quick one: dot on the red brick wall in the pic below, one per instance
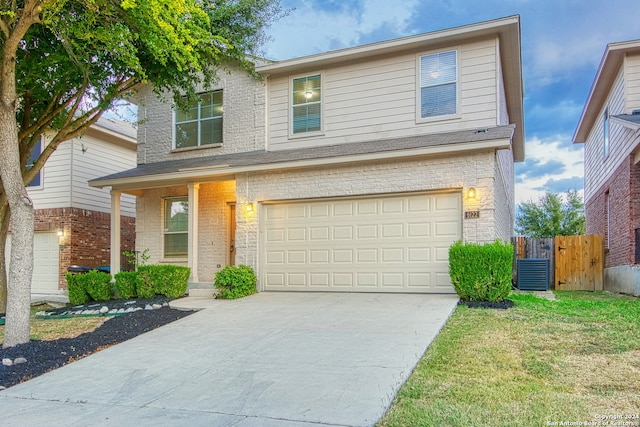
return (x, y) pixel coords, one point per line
(622, 206)
(87, 236)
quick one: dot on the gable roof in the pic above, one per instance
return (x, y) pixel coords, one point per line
(611, 62)
(212, 168)
(506, 29)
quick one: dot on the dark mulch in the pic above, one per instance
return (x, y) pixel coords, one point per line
(44, 356)
(502, 305)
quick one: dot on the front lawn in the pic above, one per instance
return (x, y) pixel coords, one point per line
(539, 363)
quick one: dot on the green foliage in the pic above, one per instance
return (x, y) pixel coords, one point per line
(168, 280)
(235, 282)
(481, 272)
(126, 284)
(77, 293)
(552, 216)
(144, 285)
(137, 259)
(94, 285)
(97, 284)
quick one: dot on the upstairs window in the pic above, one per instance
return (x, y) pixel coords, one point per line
(307, 104)
(439, 84)
(176, 227)
(605, 120)
(35, 153)
(201, 123)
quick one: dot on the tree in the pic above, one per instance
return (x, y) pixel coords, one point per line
(65, 62)
(553, 215)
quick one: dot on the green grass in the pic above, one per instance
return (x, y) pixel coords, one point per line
(537, 363)
(52, 329)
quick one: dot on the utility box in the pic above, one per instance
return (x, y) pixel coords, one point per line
(533, 274)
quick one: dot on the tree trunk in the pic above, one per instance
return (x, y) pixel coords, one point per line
(22, 230)
(4, 229)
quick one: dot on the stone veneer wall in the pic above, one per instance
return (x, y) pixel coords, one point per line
(87, 236)
(458, 172)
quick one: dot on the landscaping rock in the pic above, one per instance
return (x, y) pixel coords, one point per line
(148, 307)
(156, 306)
(7, 362)
(19, 360)
(104, 309)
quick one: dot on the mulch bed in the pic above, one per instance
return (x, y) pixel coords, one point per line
(44, 356)
(503, 305)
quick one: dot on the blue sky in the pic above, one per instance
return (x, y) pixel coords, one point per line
(562, 44)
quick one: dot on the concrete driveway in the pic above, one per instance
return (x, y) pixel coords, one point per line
(271, 359)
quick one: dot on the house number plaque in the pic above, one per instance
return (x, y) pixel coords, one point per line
(471, 214)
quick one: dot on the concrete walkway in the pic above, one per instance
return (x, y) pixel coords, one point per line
(271, 359)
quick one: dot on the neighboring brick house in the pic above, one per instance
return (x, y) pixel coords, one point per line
(73, 220)
(351, 170)
(609, 128)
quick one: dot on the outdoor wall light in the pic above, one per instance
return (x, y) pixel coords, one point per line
(471, 193)
(60, 232)
(248, 207)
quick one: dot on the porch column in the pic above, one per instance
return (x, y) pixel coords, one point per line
(192, 250)
(115, 232)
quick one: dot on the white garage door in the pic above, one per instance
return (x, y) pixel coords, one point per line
(370, 244)
(46, 260)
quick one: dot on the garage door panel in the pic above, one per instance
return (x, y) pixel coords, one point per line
(381, 244)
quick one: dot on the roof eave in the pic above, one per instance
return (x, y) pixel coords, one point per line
(216, 173)
(605, 77)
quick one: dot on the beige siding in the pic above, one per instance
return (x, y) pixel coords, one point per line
(632, 66)
(377, 99)
(599, 168)
(55, 191)
(94, 158)
(243, 121)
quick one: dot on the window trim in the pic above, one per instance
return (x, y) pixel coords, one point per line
(606, 132)
(164, 232)
(308, 134)
(174, 120)
(443, 117)
(40, 175)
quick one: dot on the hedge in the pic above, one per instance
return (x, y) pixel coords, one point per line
(94, 285)
(235, 282)
(481, 272)
(171, 281)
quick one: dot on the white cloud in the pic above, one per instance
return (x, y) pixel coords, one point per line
(310, 29)
(530, 185)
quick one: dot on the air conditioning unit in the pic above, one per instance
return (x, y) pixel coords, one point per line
(533, 274)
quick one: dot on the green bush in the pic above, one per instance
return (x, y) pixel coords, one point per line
(481, 272)
(168, 280)
(144, 285)
(235, 282)
(94, 285)
(126, 284)
(77, 294)
(97, 284)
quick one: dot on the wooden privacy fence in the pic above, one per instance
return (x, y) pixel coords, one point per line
(575, 262)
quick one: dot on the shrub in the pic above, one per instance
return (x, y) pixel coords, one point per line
(168, 280)
(481, 272)
(97, 284)
(94, 285)
(235, 282)
(144, 286)
(126, 284)
(77, 294)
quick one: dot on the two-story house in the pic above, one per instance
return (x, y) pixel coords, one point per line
(351, 170)
(72, 219)
(609, 128)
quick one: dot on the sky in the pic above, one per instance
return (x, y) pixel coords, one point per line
(562, 42)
